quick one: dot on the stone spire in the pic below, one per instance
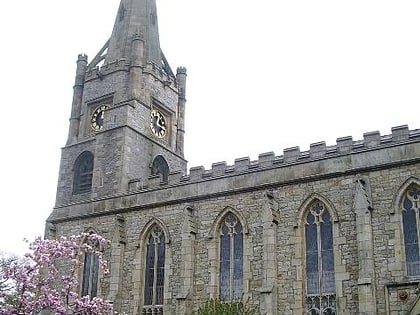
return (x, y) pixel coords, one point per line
(135, 18)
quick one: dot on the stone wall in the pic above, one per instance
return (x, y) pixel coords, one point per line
(270, 201)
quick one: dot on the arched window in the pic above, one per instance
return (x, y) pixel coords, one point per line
(231, 258)
(160, 167)
(320, 278)
(411, 221)
(90, 275)
(154, 271)
(83, 171)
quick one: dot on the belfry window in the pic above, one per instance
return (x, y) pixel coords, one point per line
(83, 171)
(160, 167)
(320, 279)
(155, 271)
(231, 258)
(411, 221)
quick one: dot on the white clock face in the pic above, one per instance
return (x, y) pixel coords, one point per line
(158, 123)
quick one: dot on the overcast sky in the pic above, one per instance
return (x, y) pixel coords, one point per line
(262, 76)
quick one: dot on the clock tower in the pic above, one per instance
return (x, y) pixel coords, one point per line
(127, 116)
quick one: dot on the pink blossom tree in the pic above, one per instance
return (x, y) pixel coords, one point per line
(47, 278)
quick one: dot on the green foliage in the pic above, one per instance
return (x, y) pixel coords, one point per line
(217, 307)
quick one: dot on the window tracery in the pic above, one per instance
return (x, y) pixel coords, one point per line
(411, 221)
(320, 277)
(231, 258)
(154, 271)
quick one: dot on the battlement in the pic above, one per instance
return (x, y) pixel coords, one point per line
(291, 156)
(117, 65)
(124, 65)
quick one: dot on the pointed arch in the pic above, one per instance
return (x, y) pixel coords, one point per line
(317, 229)
(229, 253)
(401, 192)
(221, 216)
(160, 167)
(407, 206)
(91, 229)
(83, 173)
(90, 270)
(152, 262)
(148, 227)
(304, 208)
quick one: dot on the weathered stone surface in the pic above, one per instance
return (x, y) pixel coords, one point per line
(361, 183)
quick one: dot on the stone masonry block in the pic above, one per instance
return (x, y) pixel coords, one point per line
(372, 139)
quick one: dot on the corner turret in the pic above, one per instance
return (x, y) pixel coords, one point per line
(181, 79)
(77, 98)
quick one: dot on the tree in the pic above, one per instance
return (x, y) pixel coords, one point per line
(47, 278)
(217, 307)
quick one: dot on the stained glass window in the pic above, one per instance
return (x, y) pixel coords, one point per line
(231, 258)
(83, 171)
(155, 267)
(320, 279)
(90, 275)
(411, 221)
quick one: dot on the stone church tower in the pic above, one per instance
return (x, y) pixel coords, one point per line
(331, 230)
(127, 111)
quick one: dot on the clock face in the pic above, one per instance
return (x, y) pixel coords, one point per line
(158, 123)
(97, 119)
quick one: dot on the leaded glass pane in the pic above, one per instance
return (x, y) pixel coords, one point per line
(321, 305)
(411, 237)
(86, 274)
(155, 269)
(160, 271)
(311, 255)
(238, 262)
(90, 275)
(224, 263)
(150, 272)
(327, 254)
(95, 275)
(320, 299)
(231, 258)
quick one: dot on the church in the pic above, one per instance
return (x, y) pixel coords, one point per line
(331, 230)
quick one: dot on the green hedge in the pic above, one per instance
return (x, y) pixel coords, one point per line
(217, 307)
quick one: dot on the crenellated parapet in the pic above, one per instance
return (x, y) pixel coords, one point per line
(319, 151)
(99, 72)
(124, 64)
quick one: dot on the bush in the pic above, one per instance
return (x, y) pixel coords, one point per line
(217, 307)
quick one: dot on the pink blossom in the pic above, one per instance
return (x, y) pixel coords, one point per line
(47, 278)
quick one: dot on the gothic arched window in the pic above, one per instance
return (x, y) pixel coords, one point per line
(155, 269)
(83, 171)
(90, 275)
(231, 258)
(160, 167)
(411, 221)
(320, 279)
